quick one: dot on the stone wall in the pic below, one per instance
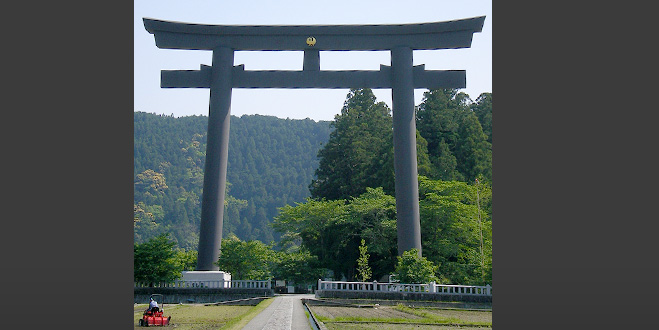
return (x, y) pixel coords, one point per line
(198, 295)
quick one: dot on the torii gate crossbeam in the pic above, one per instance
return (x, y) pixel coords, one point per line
(402, 77)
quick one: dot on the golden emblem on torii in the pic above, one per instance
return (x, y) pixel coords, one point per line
(311, 41)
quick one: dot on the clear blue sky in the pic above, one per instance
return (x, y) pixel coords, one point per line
(317, 104)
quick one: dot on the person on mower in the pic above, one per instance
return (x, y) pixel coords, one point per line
(153, 305)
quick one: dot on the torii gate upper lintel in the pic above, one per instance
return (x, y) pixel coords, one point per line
(401, 77)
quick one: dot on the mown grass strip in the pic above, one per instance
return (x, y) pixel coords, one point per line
(242, 320)
(426, 315)
(432, 318)
(412, 323)
(354, 319)
(426, 319)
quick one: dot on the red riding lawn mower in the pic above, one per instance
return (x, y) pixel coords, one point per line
(153, 317)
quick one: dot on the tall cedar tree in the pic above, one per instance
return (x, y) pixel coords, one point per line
(472, 150)
(358, 146)
(457, 146)
(482, 107)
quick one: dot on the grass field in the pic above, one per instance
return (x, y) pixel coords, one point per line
(401, 317)
(397, 326)
(201, 317)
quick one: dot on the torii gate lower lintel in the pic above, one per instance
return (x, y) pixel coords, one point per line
(401, 77)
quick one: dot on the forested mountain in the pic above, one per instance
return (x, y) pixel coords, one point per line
(271, 163)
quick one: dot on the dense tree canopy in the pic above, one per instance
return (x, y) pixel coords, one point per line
(306, 223)
(450, 229)
(297, 265)
(156, 261)
(333, 230)
(251, 260)
(457, 146)
(412, 268)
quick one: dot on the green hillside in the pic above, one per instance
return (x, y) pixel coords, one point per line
(271, 163)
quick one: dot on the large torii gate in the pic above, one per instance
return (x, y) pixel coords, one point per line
(401, 77)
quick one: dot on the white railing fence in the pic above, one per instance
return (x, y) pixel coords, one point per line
(431, 287)
(234, 284)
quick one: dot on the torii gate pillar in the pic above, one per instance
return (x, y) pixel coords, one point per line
(217, 154)
(405, 167)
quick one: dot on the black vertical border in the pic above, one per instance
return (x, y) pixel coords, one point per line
(67, 129)
(574, 230)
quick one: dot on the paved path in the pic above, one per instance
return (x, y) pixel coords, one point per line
(285, 312)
